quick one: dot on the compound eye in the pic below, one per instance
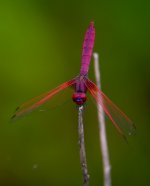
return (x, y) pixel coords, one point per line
(79, 99)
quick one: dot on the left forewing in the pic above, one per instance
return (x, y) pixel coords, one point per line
(40, 100)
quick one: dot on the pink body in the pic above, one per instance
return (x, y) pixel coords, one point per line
(79, 97)
(87, 49)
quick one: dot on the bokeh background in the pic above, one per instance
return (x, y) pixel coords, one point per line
(40, 48)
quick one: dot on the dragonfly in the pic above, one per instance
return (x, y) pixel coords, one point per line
(81, 84)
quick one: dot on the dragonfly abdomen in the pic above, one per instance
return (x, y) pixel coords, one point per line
(87, 49)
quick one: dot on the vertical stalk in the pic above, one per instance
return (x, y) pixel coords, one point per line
(102, 130)
(82, 147)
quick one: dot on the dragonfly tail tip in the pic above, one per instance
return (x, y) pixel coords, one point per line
(92, 23)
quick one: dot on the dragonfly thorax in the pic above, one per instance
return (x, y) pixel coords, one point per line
(79, 98)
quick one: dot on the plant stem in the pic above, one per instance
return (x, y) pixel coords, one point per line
(102, 130)
(82, 147)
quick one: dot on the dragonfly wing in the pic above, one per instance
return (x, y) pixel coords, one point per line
(40, 100)
(122, 123)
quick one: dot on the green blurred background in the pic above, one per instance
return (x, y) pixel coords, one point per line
(40, 48)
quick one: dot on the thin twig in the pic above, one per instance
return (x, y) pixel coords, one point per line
(82, 147)
(102, 130)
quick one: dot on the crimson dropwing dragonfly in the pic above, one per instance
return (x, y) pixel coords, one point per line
(81, 85)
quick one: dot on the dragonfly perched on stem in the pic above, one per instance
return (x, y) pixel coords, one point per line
(81, 84)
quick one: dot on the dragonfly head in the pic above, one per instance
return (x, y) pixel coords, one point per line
(79, 98)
